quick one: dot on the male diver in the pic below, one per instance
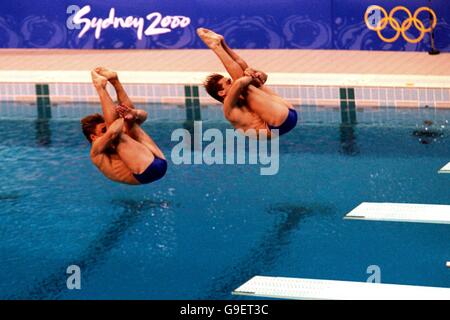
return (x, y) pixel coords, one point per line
(247, 102)
(121, 150)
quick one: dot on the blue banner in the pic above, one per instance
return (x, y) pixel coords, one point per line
(262, 24)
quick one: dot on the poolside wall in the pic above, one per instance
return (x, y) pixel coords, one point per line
(332, 96)
(261, 24)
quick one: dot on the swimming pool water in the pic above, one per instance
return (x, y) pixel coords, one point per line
(204, 230)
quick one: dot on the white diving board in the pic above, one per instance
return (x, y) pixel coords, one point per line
(401, 212)
(311, 289)
(445, 169)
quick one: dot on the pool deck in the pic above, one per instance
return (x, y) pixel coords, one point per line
(285, 67)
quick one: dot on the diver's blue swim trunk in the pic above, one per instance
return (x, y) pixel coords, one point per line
(155, 171)
(288, 124)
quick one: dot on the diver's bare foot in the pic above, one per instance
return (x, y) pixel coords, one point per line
(210, 38)
(98, 80)
(107, 73)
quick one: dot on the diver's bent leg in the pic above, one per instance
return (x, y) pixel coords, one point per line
(241, 62)
(122, 95)
(134, 155)
(113, 78)
(108, 107)
(274, 95)
(272, 110)
(138, 134)
(214, 42)
(233, 68)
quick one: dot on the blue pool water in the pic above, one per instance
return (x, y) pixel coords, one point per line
(204, 230)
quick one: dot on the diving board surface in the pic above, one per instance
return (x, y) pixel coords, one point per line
(298, 288)
(401, 212)
(445, 169)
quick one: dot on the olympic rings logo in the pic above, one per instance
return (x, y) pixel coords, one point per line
(400, 29)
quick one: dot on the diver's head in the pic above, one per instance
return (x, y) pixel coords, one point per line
(217, 86)
(93, 126)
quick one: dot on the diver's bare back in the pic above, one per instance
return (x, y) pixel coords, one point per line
(113, 168)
